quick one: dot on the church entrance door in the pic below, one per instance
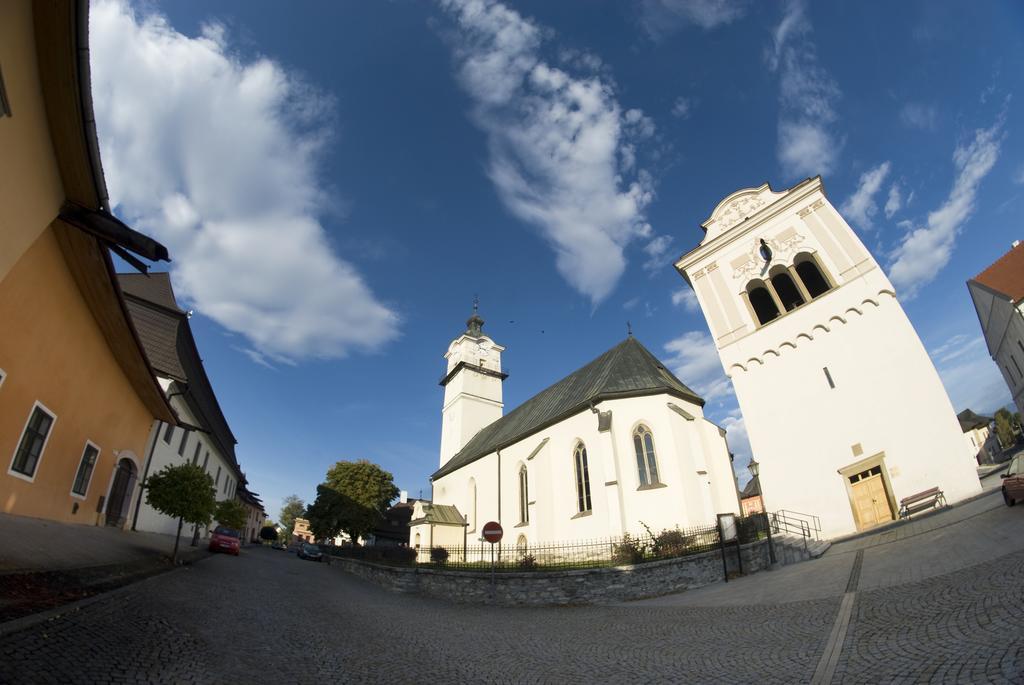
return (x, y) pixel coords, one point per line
(870, 501)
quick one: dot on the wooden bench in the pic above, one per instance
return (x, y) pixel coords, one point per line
(929, 499)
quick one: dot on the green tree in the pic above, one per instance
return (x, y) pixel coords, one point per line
(1005, 428)
(231, 513)
(365, 491)
(293, 508)
(184, 492)
(268, 533)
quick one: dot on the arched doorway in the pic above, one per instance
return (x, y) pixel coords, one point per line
(119, 501)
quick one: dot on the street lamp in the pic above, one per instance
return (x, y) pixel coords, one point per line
(753, 467)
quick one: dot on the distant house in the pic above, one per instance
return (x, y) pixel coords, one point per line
(977, 435)
(998, 296)
(256, 515)
(77, 395)
(301, 531)
(750, 498)
(394, 527)
(203, 435)
(437, 524)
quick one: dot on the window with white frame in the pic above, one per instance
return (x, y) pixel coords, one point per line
(184, 440)
(579, 457)
(646, 461)
(524, 496)
(199, 448)
(169, 433)
(33, 441)
(216, 481)
(85, 469)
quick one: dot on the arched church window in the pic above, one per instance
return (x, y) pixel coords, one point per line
(762, 302)
(787, 291)
(471, 504)
(646, 461)
(579, 457)
(810, 273)
(521, 547)
(417, 540)
(524, 496)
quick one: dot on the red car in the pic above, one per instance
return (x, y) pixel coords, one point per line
(1013, 481)
(225, 540)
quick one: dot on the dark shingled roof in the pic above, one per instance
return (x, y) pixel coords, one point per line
(752, 488)
(167, 340)
(440, 514)
(626, 370)
(969, 420)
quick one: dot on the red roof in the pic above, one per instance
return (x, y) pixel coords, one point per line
(1006, 275)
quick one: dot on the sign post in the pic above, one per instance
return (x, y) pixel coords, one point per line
(726, 533)
(492, 533)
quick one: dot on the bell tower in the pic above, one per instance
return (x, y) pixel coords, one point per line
(843, 407)
(472, 386)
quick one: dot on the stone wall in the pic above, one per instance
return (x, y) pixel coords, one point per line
(585, 586)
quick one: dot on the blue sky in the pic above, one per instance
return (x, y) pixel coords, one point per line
(337, 180)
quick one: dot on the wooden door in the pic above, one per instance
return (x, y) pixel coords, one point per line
(871, 502)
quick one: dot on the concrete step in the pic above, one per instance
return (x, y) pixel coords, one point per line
(792, 549)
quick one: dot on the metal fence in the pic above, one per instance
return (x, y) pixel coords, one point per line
(579, 554)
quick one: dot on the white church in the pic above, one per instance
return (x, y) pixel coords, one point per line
(617, 444)
(845, 411)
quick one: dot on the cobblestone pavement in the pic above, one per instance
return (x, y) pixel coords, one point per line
(267, 617)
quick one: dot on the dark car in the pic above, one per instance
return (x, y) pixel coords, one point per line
(311, 552)
(1013, 481)
(277, 545)
(225, 540)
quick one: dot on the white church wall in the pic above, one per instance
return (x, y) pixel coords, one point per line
(618, 504)
(887, 399)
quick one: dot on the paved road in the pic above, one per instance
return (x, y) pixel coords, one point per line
(215, 623)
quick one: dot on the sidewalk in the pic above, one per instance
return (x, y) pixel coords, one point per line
(32, 545)
(972, 533)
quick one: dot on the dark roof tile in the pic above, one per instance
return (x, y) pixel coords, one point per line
(628, 369)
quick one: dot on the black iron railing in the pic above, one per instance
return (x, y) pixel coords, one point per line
(578, 554)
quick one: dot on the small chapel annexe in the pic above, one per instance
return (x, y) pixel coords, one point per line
(616, 445)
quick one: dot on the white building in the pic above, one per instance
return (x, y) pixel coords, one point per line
(998, 295)
(978, 436)
(203, 436)
(844, 409)
(615, 445)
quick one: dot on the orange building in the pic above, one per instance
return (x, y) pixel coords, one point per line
(77, 396)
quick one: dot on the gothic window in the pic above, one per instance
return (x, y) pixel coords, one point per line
(524, 496)
(787, 291)
(646, 461)
(762, 302)
(811, 275)
(582, 478)
(521, 547)
(472, 504)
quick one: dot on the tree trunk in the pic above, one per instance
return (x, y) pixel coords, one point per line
(174, 556)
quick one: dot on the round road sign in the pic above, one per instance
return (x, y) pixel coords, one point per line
(492, 532)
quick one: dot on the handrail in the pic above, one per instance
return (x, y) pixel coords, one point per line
(813, 524)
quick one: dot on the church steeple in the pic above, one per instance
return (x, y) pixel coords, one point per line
(474, 324)
(472, 385)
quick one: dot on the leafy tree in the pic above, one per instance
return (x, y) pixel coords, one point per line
(1005, 428)
(293, 508)
(184, 492)
(231, 513)
(268, 533)
(365, 491)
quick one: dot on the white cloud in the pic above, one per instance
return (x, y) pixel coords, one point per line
(971, 378)
(861, 206)
(807, 95)
(916, 115)
(657, 250)
(894, 202)
(739, 442)
(687, 299)
(562, 151)
(661, 17)
(925, 250)
(694, 359)
(1018, 175)
(216, 158)
(682, 107)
